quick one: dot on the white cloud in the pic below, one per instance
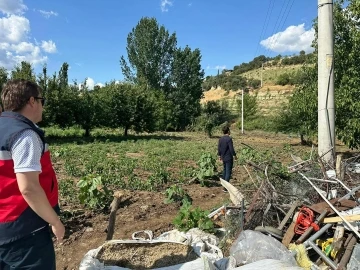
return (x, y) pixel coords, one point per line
(14, 28)
(48, 14)
(48, 46)
(9, 7)
(293, 39)
(15, 39)
(90, 83)
(216, 67)
(164, 5)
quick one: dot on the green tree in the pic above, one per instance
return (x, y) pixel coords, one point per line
(186, 91)
(284, 79)
(43, 79)
(87, 109)
(347, 71)
(128, 106)
(63, 75)
(156, 63)
(214, 114)
(23, 71)
(3, 77)
(150, 48)
(250, 106)
(300, 115)
(61, 103)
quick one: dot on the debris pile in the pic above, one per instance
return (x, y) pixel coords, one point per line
(312, 211)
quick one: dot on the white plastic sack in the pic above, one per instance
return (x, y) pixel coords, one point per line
(268, 264)
(252, 246)
(204, 246)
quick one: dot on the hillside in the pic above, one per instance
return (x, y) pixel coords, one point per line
(270, 96)
(270, 74)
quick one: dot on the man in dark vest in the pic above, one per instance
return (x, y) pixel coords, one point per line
(226, 153)
(28, 184)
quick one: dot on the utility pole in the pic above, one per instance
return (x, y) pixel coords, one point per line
(326, 104)
(242, 111)
(262, 68)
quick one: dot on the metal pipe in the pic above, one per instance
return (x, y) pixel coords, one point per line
(347, 196)
(341, 183)
(325, 258)
(323, 180)
(318, 233)
(332, 207)
(349, 246)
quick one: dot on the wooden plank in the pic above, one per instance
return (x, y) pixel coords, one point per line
(289, 235)
(338, 219)
(289, 214)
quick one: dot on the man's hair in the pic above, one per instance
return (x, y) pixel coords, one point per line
(225, 130)
(16, 93)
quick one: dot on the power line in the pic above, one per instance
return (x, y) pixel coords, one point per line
(278, 19)
(279, 24)
(283, 24)
(263, 31)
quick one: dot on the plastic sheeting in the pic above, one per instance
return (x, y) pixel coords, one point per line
(268, 264)
(252, 246)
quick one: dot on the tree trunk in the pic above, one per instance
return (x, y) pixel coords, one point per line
(87, 132)
(126, 131)
(303, 141)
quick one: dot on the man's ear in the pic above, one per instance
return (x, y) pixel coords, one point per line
(32, 101)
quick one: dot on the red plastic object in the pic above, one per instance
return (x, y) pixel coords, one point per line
(305, 220)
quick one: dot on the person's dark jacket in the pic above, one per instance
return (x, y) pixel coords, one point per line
(226, 149)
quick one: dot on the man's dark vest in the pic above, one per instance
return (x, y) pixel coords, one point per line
(17, 219)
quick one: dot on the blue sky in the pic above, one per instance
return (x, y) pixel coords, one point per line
(91, 35)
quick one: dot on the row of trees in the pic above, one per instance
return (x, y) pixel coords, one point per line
(233, 80)
(230, 82)
(161, 91)
(258, 61)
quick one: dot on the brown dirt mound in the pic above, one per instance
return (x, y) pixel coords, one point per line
(145, 255)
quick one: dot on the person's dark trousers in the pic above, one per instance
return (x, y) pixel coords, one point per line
(228, 165)
(33, 252)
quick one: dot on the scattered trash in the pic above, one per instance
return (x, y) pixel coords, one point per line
(303, 216)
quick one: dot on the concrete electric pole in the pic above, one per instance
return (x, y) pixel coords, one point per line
(262, 69)
(242, 111)
(326, 104)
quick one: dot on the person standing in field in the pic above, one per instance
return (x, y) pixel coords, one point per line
(28, 184)
(226, 153)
